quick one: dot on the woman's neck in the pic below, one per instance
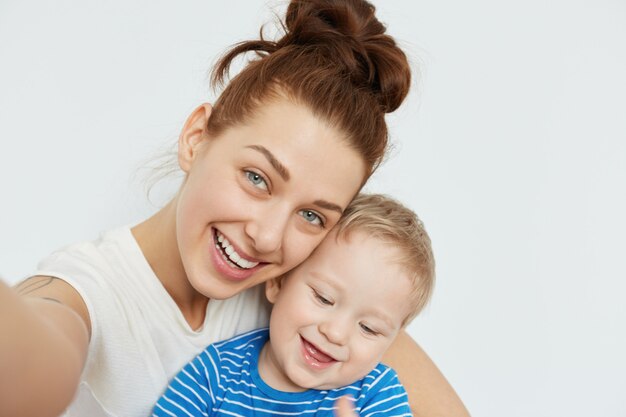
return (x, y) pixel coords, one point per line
(156, 237)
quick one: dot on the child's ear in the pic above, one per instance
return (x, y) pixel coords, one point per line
(272, 288)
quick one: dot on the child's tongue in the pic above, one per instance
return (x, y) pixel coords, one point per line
(316, 354)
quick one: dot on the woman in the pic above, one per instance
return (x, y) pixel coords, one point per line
(269, 169)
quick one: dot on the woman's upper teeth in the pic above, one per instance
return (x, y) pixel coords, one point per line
(232, 254)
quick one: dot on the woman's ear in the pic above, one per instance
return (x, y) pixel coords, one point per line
(272, 288)
(192, 135)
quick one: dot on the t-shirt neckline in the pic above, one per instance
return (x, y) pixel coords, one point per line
(149, 278)
(275, 393)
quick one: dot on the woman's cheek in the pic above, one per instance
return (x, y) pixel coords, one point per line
(300, 250)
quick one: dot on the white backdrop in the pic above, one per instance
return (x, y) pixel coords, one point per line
(511, 147)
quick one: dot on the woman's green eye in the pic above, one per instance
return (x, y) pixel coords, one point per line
(312, 217)
(256, 180)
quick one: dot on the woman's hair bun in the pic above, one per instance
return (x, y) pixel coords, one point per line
(349, 32)
(333, 57)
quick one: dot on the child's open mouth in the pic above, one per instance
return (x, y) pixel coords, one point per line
(314, 357)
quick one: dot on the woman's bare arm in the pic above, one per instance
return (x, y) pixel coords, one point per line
(44, 335)
(430, 394)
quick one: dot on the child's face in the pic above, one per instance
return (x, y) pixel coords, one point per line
(335, 315)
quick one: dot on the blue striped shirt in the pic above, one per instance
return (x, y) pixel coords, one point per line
(224, 381)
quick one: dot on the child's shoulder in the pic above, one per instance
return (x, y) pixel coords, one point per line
(380, 391)
(380, 379)
(252, 340)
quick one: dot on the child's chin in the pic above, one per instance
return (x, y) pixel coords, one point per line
(307, 381)
(326, 385)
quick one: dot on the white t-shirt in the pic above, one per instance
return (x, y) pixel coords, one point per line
(139, 337)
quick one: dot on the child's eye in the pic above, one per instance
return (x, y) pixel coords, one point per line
(257, 180)
(312, 217)
(322, 299)
(368, 329)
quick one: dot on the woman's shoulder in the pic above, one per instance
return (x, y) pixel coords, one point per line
(108, 248)
(99, 267)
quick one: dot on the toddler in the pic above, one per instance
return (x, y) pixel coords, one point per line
(333, 318)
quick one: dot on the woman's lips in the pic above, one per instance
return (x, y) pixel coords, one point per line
(232, 253)
(314, 357)
(226, 267)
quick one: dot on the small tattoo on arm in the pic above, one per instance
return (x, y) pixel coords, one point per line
(34, 284)
(51, 299)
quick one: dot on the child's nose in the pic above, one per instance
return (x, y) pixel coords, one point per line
(335, 329)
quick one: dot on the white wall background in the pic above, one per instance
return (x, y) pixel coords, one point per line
(512, 148)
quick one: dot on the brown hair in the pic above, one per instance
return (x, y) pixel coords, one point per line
(386, 219)
(334, 58)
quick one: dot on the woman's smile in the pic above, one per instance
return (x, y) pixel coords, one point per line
(230, 261)
(231, 254)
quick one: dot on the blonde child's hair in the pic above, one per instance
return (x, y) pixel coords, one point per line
(384, 218)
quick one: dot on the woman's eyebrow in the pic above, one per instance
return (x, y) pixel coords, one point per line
(328, 205)
(278, 166)
(284, 173)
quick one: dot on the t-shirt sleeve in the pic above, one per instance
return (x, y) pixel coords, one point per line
(387, 397)
(194, 390)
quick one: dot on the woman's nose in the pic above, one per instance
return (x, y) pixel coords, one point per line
(267, 229)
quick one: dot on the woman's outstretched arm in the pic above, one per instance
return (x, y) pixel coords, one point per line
(43, 346)
(430, 394)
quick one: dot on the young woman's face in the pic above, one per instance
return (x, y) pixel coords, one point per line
(261, 196)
